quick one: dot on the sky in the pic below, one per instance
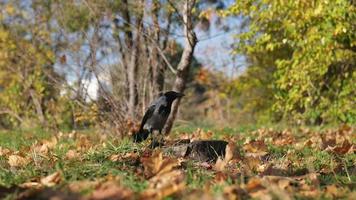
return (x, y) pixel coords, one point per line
(213, 50)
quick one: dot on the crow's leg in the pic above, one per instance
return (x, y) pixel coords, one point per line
(155, 140)
(161, 138)
(151, 134)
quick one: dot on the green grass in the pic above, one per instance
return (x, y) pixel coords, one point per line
(95, 162)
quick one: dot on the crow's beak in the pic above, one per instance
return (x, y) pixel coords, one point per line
(181, 95)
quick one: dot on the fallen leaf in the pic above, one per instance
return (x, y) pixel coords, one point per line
(255, 148)
(312, 193)
(114, 157)
(261, 195)
(229, 153)
(200, 134)
(344, 148)
(233, 192)
(128, 155)
(17, 161)
(110, 190)
(4, 151)
(254, 184)
(51, 180)
(331, 191)
(31, 185)
(164, 179)
(79, 186)
(83, 142)
(284, 183)
(156, 165)
(43, 149)
(50, 143)
(253, 163)
(220, 177)
(163, 190)
(72, 154)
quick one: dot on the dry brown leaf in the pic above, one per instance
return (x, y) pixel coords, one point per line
(110, 190)
(328, 141)
(200, 194)
(282, 140)
(50, 143)
(72, 154)
(4, 151)
(344, 148)
(17, 161)
(308, 185)
(331, 191)
(220, 177)
(254, 184)
(114, 157)
(312, 193)
(164, 179)
(31, 185)
(284, 183)
(118, 157)
(130, 155)
(255, 148)
(277, 186)
(253, 163)
(83, 142)
(229, 154)
(200, 134)
(156, 165)
(261, 195)
(234, 192)
(163, 191)
(43, 149)
(79, 186)
(51, 180)
(72, 134)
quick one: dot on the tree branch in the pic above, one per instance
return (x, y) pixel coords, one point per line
(184, 64)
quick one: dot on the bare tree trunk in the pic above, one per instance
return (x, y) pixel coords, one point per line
(133, 67)
(184, 63)
(158, 68)
(128, 40)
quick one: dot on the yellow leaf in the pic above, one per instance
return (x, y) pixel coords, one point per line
(10, 9)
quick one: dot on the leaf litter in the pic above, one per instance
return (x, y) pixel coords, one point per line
(262, 164)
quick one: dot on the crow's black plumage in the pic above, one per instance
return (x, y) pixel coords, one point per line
(156, 115)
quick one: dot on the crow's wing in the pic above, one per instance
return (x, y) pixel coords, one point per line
(148, 114)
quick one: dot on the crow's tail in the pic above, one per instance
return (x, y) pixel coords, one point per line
(141, 135)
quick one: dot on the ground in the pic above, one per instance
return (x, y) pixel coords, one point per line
(259, 163)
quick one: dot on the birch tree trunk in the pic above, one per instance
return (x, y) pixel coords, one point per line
(184, 63)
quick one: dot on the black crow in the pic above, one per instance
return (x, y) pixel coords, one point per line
(156, 116)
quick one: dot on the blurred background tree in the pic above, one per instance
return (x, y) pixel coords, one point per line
(78, 64)
(305, 54)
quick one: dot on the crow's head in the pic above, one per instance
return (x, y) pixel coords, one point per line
(172, 95)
